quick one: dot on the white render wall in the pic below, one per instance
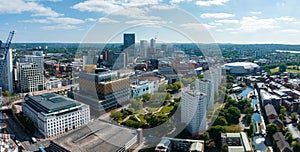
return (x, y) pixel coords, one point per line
(51, 125)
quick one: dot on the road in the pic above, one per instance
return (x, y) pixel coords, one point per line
(15, 128)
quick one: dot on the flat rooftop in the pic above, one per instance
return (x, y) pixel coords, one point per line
(97, 136)
(50, 102)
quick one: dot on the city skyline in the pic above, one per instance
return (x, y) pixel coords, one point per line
(227, 21)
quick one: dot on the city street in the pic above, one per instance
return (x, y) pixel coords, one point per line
(15, 128)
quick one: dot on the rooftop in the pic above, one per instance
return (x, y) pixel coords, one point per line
(95, 136)
(50, 102)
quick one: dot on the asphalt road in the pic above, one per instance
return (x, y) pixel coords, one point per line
(15, 128)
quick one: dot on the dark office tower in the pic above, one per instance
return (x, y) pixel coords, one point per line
(129, 40)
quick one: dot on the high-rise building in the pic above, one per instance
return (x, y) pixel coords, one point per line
(129, 40)
(103, 89)
(151, 52)
(205, 86)
(6, 70)
(30, 78)
(38, 60)
(143, 48)
(193, 111)
(54, 114)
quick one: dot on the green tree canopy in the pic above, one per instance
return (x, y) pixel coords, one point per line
(146, 96)
(272, 129)
(233, 115)
(221, 120)
(294, 117)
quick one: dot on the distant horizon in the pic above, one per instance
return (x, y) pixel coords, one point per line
(50, 42)
(226, 21)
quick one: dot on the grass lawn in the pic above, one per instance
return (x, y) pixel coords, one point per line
(274, 70)
(290, 70)
(151, 109)
(166, 109)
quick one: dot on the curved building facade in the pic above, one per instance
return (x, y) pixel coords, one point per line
(242, 68)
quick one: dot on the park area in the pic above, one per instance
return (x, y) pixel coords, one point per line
(149, 111)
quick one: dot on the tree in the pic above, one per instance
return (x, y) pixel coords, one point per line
(168, 96)
(233, 115)
(204, 136)
(116, 115)
(5, 93)
(215, 133)
(146, 96)
(283, 110)
(200, 76)
(221, 120)
(294, 117)
(137, 104)
(296, 146)
(282, 67)
(225, 148)
(272, 129)
(289, 137)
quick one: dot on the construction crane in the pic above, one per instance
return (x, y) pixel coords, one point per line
(9, 39)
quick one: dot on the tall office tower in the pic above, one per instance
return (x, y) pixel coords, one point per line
(143, 48)
(129, 47)
(205, 86)
(193, 111)
(38, 60)
(103, 89)
(6, 70)
(129, 40)
(30, 78)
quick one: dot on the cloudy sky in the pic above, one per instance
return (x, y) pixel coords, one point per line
(227, 21)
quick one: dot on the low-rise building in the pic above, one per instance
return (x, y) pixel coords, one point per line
(280, 143)
(141, 88)
(53, 83)
(54, 114)
(236, 142)
(182, 145)
(97, 136)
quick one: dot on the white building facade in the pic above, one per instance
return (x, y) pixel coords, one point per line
(55, 114)
(193, 111)
(205, 86)
(30, 78)
(143, 87)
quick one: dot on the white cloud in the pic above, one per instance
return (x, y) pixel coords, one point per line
(285, 18)
(227, 21)
(290, 31)
(43, 21)
(162, 7)
(216, 15)
(211, 2)
(255, 12)
(178, 1)
(146, 22)
(60, 27)
(57, 20)
(97, 6)
(66, 20)
(251, 24)
(107, 20)
(196, 26)
(20, 6)
(90, 20)
(109, 6)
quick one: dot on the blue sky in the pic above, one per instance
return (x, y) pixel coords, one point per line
(226, 21)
